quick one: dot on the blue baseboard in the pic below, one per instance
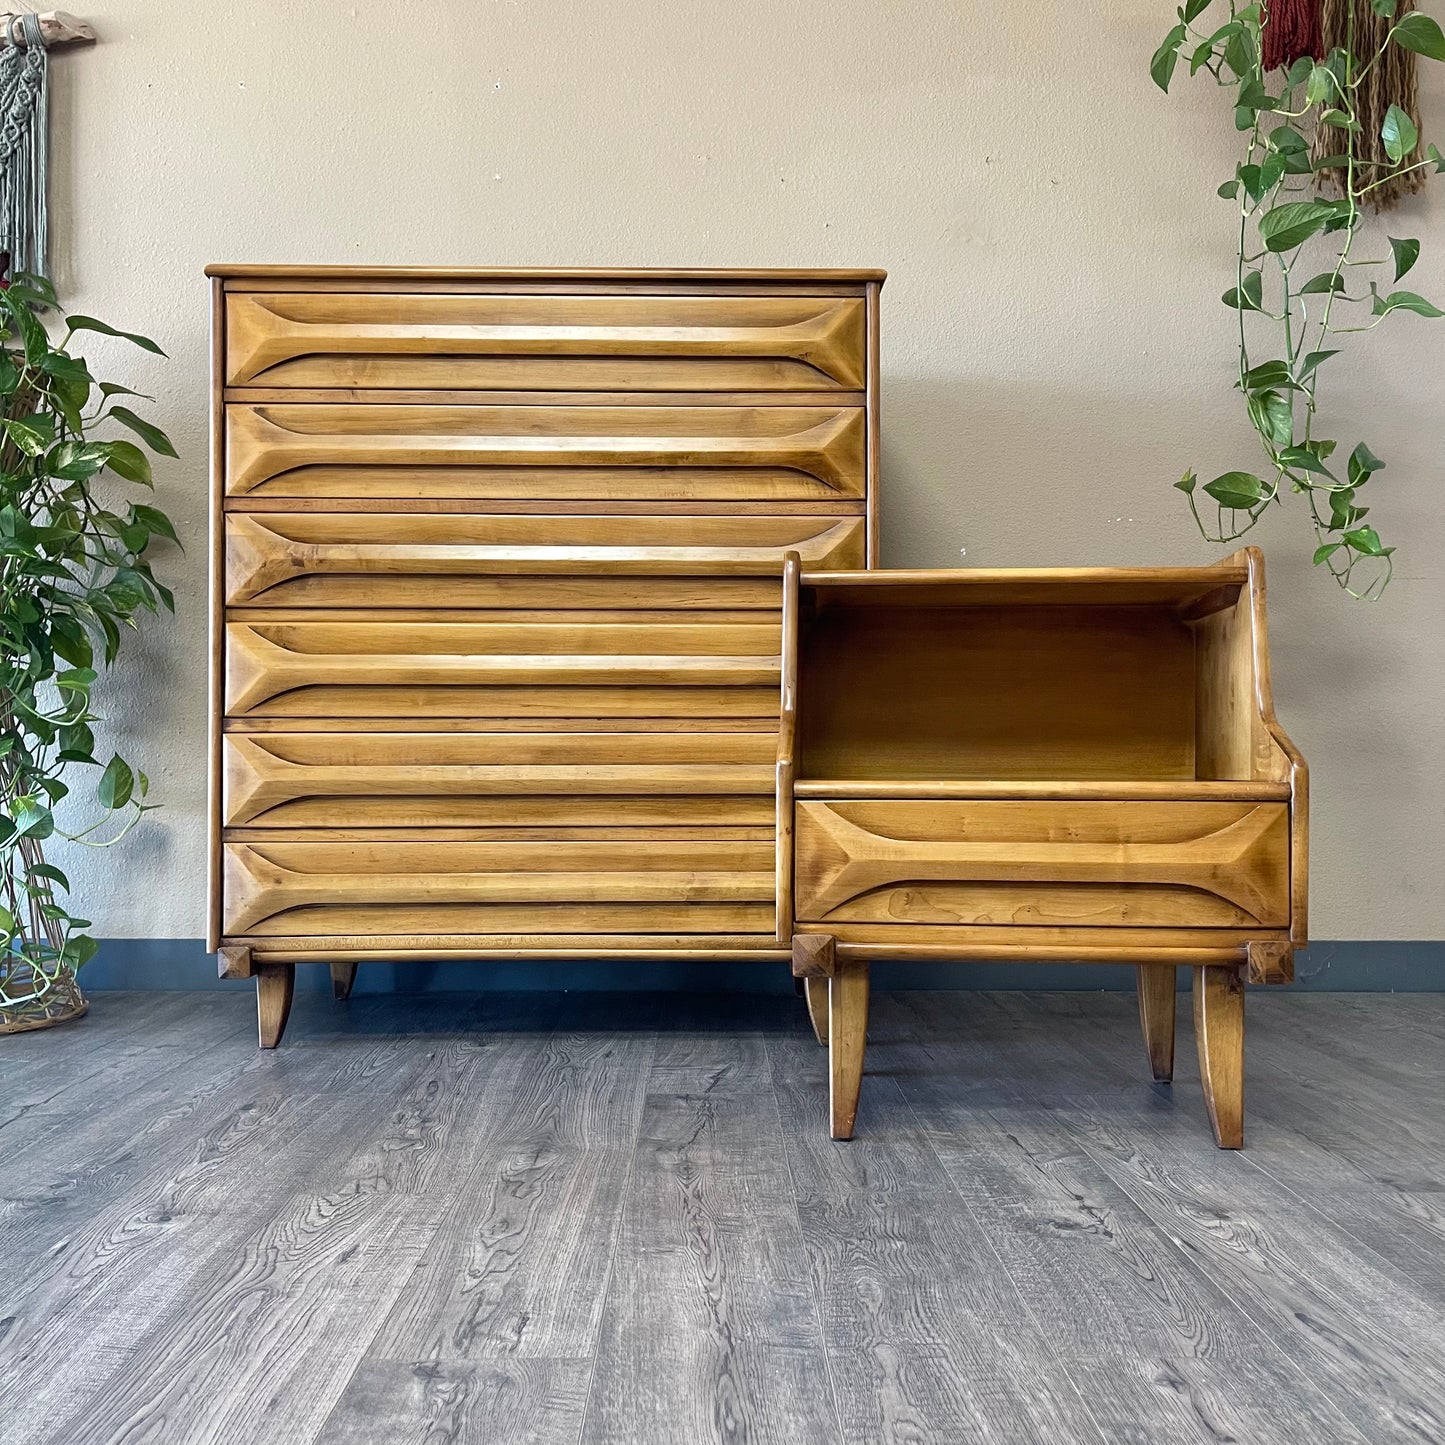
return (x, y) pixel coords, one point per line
(183, 963)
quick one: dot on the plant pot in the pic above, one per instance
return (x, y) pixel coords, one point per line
(40, 998)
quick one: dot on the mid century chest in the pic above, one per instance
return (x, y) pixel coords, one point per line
(496, 604)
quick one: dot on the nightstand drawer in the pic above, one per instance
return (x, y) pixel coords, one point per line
(1063, 863)
(548, 887)
(552, 342)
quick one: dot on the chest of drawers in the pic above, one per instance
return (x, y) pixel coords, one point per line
(496, 604)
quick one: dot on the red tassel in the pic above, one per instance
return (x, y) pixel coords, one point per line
(1291, 29)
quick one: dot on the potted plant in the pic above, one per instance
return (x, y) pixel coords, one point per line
(74, 576)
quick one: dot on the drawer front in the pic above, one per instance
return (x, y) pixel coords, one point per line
(268, 554)
(365, 668)
(713, 453)
(1145, 864)
(356, 780)
(550, 887)
(546, 342)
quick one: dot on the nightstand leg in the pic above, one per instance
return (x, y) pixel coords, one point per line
(1219, 1033)
(847, 1040)
(1155, 984)
(275, 983)
(343, 975)
(815, 990)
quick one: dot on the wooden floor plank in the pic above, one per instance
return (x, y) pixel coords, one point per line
(519, 1401)
(522, 1252)
(710, 1332)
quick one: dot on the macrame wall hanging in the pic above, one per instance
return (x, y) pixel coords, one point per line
(25, 41)
(1293, 28)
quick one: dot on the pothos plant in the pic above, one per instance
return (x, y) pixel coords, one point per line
(74, 575)
(1298, 280)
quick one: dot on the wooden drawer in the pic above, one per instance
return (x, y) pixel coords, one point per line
(349, 780)
(1154, 864)
(546, 342)
(615, 453)
(348, 667)
(549, 887)
(268, 554)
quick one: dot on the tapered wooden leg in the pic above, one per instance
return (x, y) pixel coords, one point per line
(847, 1040)
(1155, 984)
(815, 990)
(343, 975)
(275, 983)
(1219, 1032)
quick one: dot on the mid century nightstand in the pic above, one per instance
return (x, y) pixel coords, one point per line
(1078, 765)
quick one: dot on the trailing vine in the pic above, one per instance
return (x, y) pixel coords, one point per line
(74, 575)
(1280, 222)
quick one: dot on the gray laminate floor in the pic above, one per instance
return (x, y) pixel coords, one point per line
(501, 1219)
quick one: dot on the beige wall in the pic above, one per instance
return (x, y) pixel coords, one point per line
(1054, 350)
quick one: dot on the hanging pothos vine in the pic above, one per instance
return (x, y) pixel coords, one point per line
(1280, 223)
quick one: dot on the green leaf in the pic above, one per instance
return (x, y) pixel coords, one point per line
(1320, 85)
(1187, 482)
(1329, 163)
(1422, 35)
(1402, 301)
(1310, 362)
(65, 368)
(152, 436)
(129, 461)
(1193, 9)
(1273, 416)
(32, 434)
(1253, 95)
(1238, 491)
(1161, 67)
(1366, 541)
(70, 642)
(49, 874)
(1325, 282)
(32, 820)
(1249, 296)
(1399, 134)
(89, 323)
(7, 923)
(1323, 554)
(1292, 148)
(1406, 254)
(1432, 153)
(1291, 225)
(1229, 190)
(1304, 459)
(156, 522)
(116, 783)
(74, 461)
(1340, 120)
(1386, 8)
(1241, 54)
(1363, 464)
(1267, 374)
(31, 332)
